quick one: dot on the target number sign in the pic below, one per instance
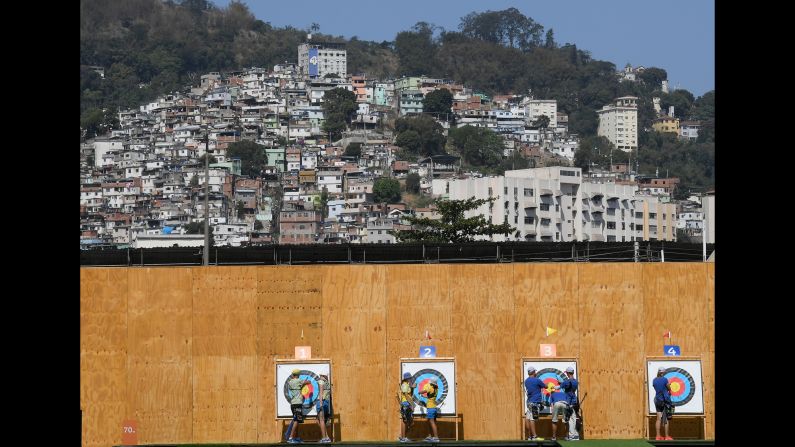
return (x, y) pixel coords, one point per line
(427, 351)
(548, 350)
(685, 380)
(422, 371)
(672, 350)
(310, 372)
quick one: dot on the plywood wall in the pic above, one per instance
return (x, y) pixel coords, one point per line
(188, 352)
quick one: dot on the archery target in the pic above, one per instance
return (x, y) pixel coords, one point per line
(310, 372)
(551, 373)
(684, 378)
(421, 373)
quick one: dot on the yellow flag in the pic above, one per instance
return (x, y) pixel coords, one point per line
(550, 331)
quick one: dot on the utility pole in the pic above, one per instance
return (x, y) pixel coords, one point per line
(206, 252)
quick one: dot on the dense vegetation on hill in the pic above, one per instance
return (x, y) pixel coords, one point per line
(150, 47)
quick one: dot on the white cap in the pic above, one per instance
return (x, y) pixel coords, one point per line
(661, 369)
(531, 370)
(570, 369)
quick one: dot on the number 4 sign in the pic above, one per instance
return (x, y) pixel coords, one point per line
(672, 350)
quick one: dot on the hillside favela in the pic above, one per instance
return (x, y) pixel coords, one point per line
(376, 224)
(319, 139)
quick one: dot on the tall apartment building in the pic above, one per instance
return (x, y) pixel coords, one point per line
(554, 205)
(618, 123)
(537, 107)
(319, 59)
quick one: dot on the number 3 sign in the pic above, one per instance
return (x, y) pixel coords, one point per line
(548, 350)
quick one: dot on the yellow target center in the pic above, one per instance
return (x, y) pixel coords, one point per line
(675, 387)
(305, 390)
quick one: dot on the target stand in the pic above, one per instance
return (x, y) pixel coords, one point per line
(310, 370)
(443, 369)
(549, 370)
(687, 394)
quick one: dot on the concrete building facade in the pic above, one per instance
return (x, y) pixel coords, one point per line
(554, 205)
(618, 123)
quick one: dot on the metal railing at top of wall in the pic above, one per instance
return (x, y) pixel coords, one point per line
(410, 253)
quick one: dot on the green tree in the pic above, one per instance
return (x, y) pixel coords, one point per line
(416, 50)
(241, 209)
(386, 190)
(653, 77)
(597, 151)
(353, 150)
(541, 122)
(212, 159)
(194, 181)
(98, 122)
(427, 137)
(197, 227)
(339, 105)
(324, 202)
(681, 99)
(253, 157)
(452, 226)
(478, 146)
(257, 225)
(413, 183)
(438, 102)
(550, 40)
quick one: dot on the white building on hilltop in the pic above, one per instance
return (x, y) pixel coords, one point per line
(318, 60)
(618, 123)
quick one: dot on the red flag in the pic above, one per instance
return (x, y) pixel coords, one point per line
(427, 334)
(667, 334)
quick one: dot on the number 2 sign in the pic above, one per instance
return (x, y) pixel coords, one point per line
(427, 351)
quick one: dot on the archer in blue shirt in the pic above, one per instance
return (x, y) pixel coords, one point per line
(533, 386)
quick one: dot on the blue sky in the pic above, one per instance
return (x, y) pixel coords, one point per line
(677, 35)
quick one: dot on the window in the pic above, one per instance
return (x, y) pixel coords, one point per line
(529, 219)
(623, 226)
(506, 190)
(611, 225)
(638, 215)
(652, 215)
(545, 222)
(544, 207)
(491, 192)
(528, 192)
(557, 207)
(516, 219)
(639, 227)
(515, 191)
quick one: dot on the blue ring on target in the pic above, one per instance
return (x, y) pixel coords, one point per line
(312, 378)
(548, 375)
(686, 380)
(424, 375)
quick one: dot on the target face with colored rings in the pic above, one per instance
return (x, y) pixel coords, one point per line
(309, 391)
(421, 378)
(683, 387)
(551, 378)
